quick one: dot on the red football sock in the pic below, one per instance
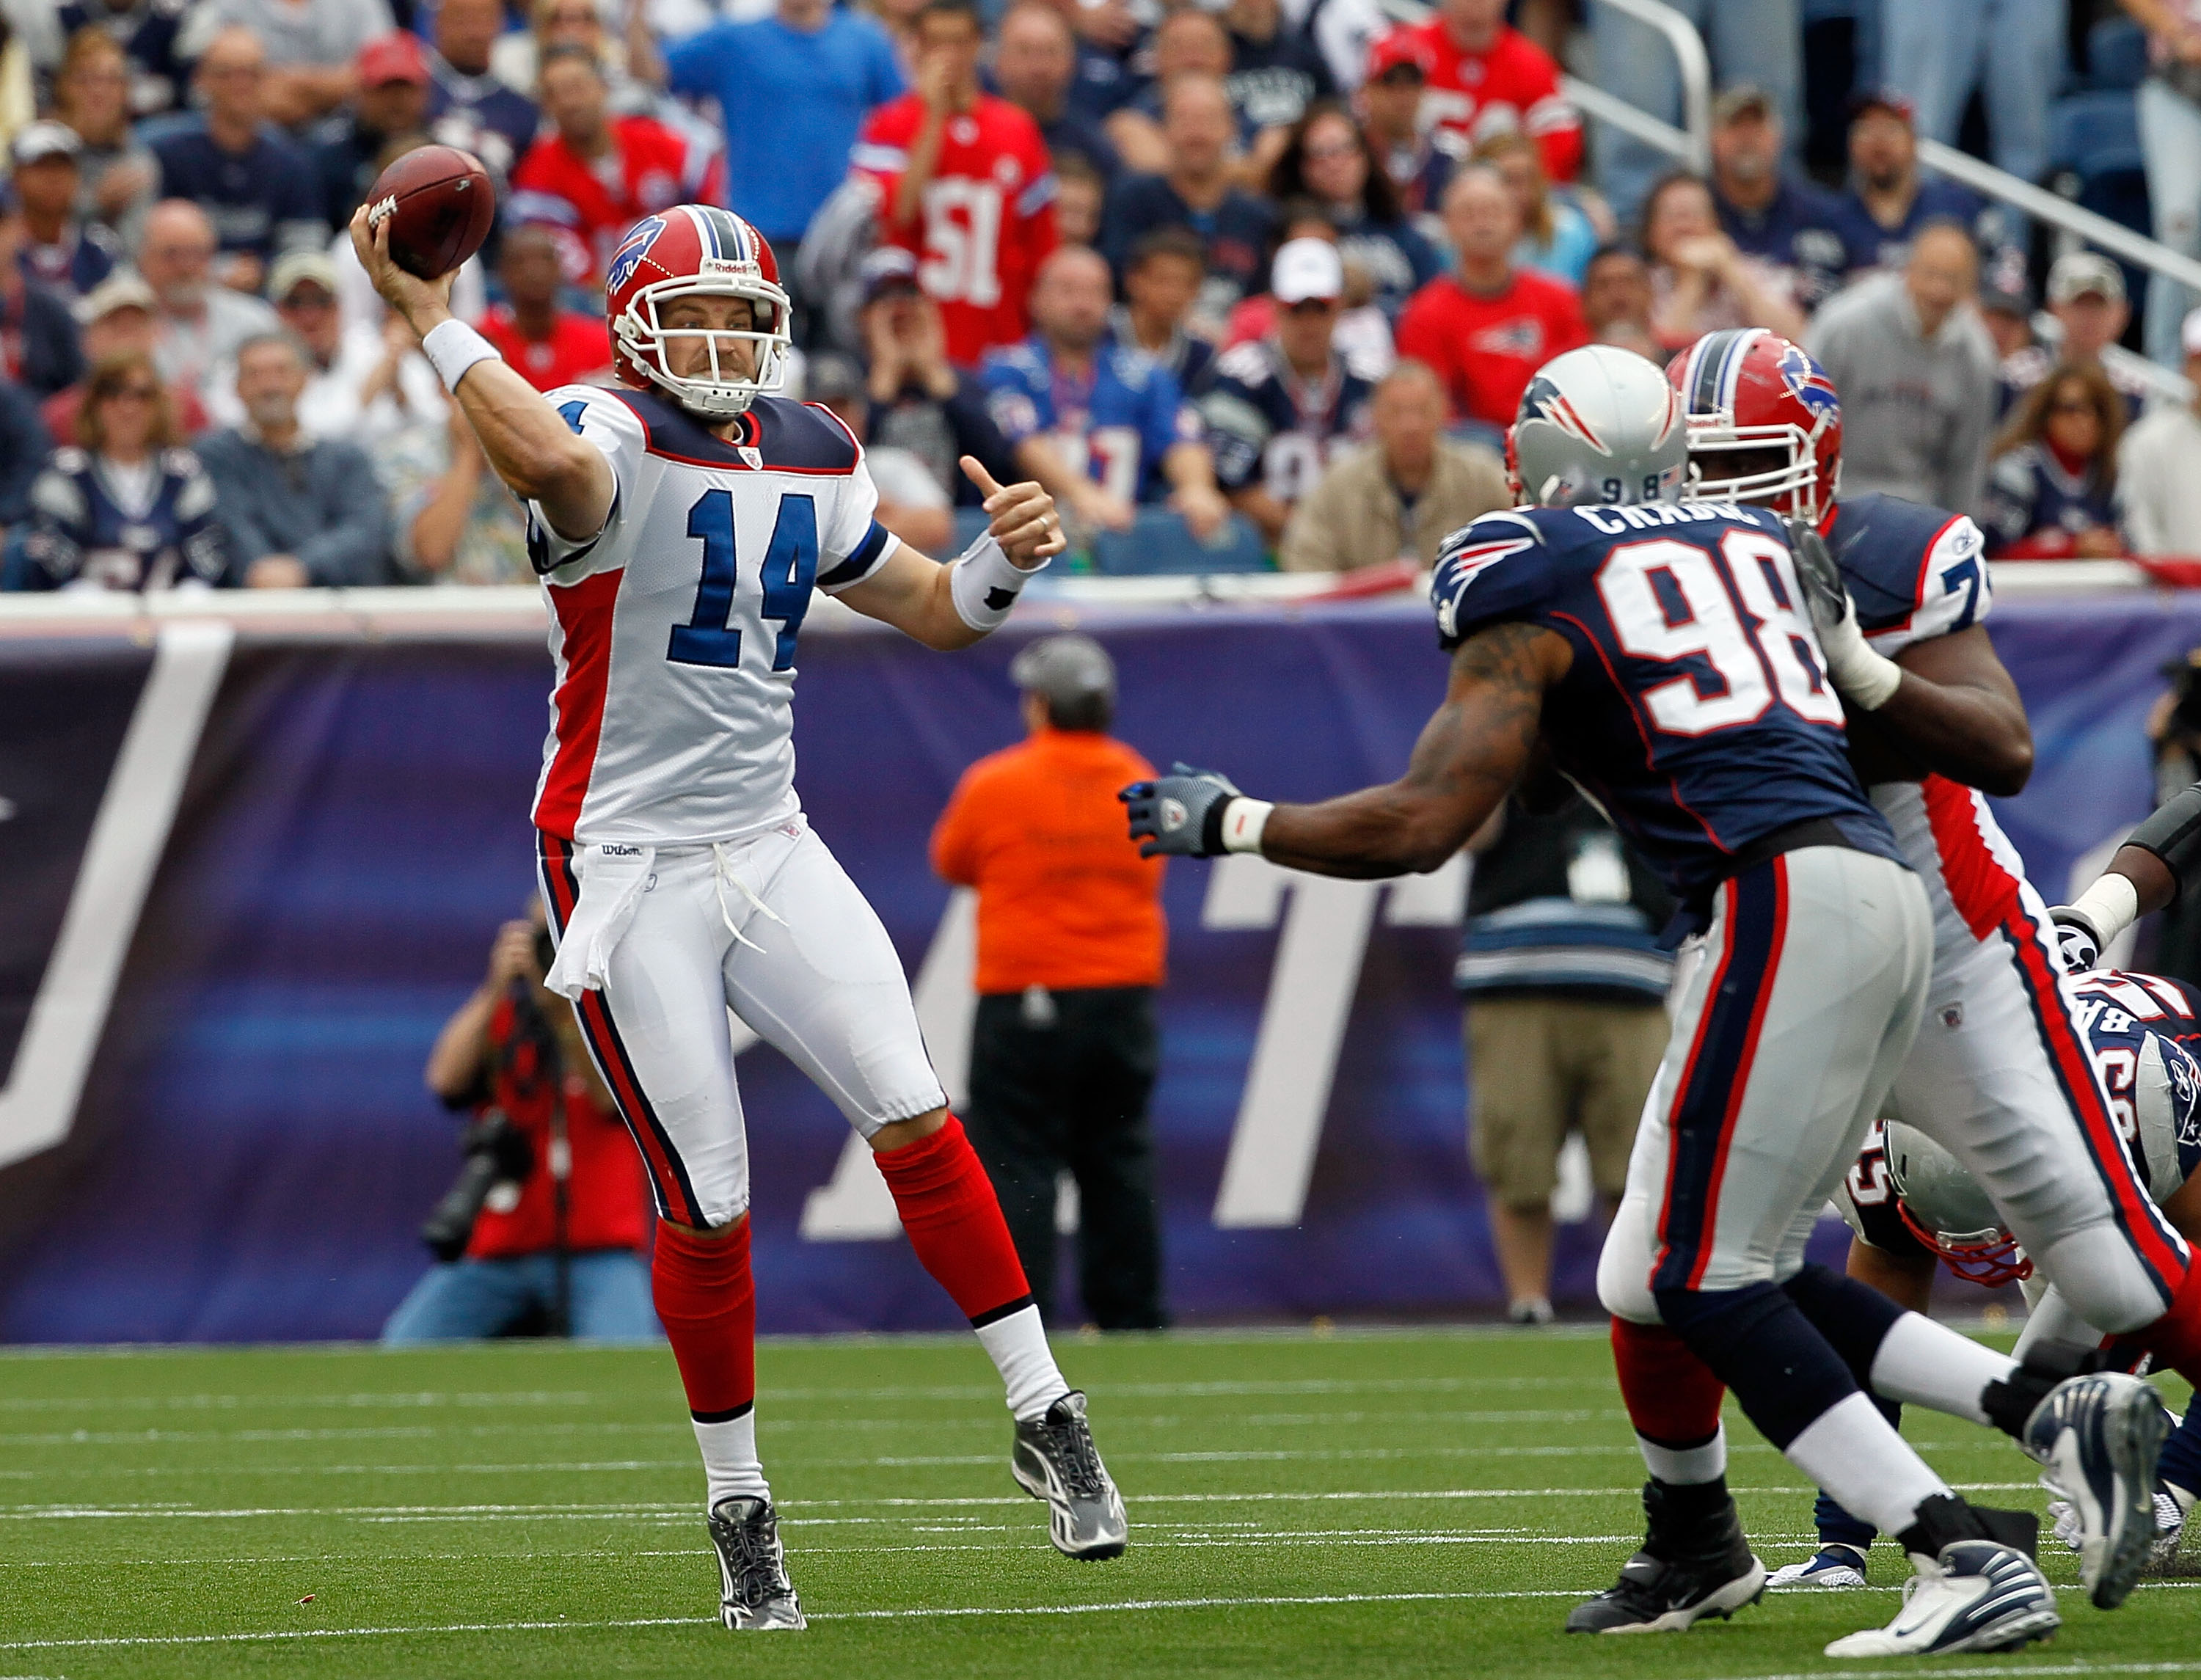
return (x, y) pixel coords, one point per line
(706, 1301)
(2174, 1338)
(1672, 1397)
(953, 1219)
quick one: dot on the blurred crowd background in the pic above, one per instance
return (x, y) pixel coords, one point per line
(1247, 284)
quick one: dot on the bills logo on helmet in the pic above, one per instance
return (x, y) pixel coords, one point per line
(1807, 382)
(628, 257)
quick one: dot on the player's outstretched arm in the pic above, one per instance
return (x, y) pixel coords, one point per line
(1479, 743)
(541, 458)
(2148, 873)
(953, 605)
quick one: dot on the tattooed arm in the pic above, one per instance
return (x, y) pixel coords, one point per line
(1472, 752)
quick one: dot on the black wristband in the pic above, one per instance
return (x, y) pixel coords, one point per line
(1211, 827)
(2174, 834)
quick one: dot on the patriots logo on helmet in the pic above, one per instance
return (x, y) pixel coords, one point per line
(1545, 401)
(628, 257)
(1808, 382)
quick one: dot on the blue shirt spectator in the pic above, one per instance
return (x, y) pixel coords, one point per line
(793, 90)
(61, 251)
(1236, 229)
(259, 189)
(1887, 200)
(468, 105)
(1786, 223)
(24, 445)
(1327, 158)
(146, 31)
(37, 334)
(1035, 68)
(1116, 422)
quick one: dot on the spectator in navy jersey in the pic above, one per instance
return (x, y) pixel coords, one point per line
(1035, 63)
(916, 402)
(1327, 158)
(1780, 219)
(2052, 478)
(1276, 71)
(348, 148)
(469, 106)
(124, 505)
(145, 31)
(1198, 190)
(1888, 201)
(1418, 159)
(24, 443)
(1162, 280)
(38, 335)
(65, 254)
(254, 183)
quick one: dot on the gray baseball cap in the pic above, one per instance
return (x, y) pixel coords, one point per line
(1065, 669)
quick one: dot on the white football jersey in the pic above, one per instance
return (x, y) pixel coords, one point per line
(673, 629)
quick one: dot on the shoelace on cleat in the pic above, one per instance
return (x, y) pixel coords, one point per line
(756, 1568)
(1076, 1457)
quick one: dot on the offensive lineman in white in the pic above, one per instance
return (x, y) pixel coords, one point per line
(679, 526)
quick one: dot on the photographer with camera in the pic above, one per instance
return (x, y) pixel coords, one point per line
(542, 1230)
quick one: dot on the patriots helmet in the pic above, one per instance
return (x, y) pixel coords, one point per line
(1597, 425)
(1947, 1211)
(697, 250)
(1765, 422)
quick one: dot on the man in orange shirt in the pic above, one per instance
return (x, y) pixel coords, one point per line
(1071, 944)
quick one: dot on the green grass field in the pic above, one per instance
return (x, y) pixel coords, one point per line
(1342, 1506)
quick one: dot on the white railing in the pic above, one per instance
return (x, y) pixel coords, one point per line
(1692, 142)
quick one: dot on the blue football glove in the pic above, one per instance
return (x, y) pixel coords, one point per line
(1180, 814)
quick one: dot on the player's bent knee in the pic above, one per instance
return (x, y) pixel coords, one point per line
(2103, 1280)
(896, 1133)
(1623, 1269)
(717, 1233)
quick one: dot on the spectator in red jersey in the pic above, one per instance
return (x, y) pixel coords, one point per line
(965, 180)
(592, 176)
(549, 346)
(1486, 327)
(514, 1051)
(1484, 75)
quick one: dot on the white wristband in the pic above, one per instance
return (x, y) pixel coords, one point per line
(1243, 819)
(452, 347)
(984, 584)
(2111, 904)
(1866, 679)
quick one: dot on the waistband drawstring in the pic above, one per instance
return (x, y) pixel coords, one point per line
(723, 872)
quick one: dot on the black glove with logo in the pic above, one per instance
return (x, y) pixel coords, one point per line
(1180, 814)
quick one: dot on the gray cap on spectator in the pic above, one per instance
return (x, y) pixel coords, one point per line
(2080, 273)
(885, 267)
(831, 379)
(2006, 300)
(1743, 99)
(122, 290)
(1064, 670)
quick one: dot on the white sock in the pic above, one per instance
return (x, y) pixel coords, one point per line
(1017, 1347)
(1922, 1363)
(730, 1460)
(1686, 1466)
(1850, 1451)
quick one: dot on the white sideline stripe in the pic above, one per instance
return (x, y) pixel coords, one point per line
(228, 1402)
(2006, 1669)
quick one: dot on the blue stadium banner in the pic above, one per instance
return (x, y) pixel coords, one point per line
(249, 877)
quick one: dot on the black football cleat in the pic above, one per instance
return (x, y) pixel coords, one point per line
(1054, 1460)
(755, 1595)
(1691, 1566)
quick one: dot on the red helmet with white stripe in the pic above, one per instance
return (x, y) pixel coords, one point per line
(1765, 422)
(697, 250)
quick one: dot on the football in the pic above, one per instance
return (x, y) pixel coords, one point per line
(439, 204)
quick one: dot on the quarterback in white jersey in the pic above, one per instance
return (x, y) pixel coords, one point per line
(680, 524)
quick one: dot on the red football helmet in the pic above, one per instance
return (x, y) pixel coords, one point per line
(1749, 392)
(696, 250)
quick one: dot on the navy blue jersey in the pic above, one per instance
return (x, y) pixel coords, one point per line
(146, 31)
(2135, 1024)
(90, 530)
(1697, 710)
(1795, 232)
(2033, 498)
(1915, 571)
(1267, 427)
(264, 200)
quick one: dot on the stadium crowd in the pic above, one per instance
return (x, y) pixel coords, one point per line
(1263, 279)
